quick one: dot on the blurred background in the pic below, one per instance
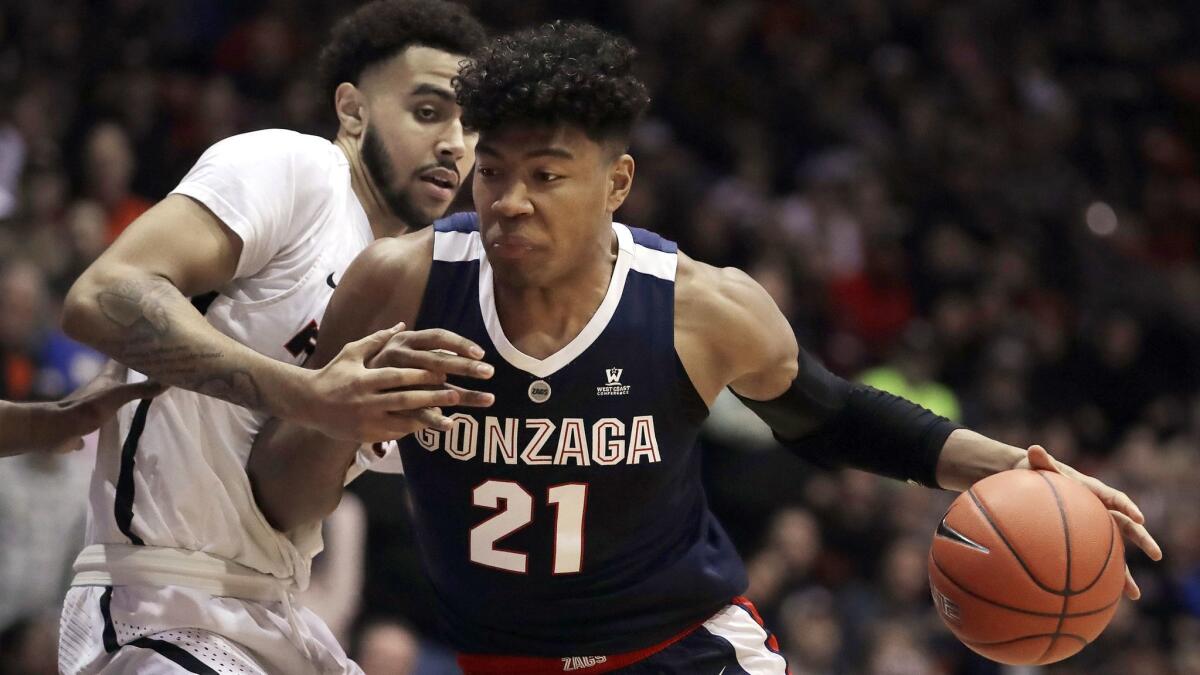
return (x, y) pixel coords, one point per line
(991, 207)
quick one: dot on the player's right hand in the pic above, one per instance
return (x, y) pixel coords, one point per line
(375, 391)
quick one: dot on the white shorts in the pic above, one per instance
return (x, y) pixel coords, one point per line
(152, 630)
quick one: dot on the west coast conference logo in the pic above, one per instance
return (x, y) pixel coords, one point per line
(612, 385)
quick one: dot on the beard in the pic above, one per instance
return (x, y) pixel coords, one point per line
(383, 173)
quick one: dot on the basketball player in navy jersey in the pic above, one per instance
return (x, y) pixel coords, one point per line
(565, 528)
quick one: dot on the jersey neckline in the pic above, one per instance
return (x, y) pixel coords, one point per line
(580, 343)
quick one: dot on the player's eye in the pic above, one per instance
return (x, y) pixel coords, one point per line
(427, 113)
(488, 172)
(547, 177)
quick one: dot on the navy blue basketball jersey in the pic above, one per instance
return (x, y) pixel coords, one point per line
(569, 518)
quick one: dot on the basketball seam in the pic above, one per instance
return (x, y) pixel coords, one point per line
(1112, 539)
(1001, 605)
(996, 528)
(1053, 636)
(1062, 513)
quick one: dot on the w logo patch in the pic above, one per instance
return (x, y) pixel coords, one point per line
(612, 386)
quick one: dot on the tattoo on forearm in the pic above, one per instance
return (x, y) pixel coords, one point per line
(236, 387)
(146, 340)
(138, 308)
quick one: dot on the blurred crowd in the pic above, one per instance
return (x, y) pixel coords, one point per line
(991, 207)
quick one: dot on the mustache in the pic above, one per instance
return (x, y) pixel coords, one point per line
(441, 163)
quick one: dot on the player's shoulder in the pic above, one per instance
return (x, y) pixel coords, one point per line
(388, 257)
(268, 148)
(717, 292)
(731, 316)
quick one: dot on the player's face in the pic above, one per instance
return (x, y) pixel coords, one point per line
(414, 145)
(545, 198)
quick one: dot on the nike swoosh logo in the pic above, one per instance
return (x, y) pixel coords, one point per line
(329, 280)
(946, 532)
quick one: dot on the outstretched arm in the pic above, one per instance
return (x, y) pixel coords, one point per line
(58, 426)
(730, 333)
(833, 422)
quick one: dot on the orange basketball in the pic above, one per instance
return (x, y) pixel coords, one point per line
(1027, 567)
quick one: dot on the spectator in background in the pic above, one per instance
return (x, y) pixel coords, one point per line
(108, 173)
(387, 648)
(811, 633)
(38, 362)
(912, 371)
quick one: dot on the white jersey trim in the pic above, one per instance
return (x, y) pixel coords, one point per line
(749, 640)
(457, 246)
(653, 262)
(599, 321)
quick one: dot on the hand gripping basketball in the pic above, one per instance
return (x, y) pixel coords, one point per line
(1027, 566)
(1128, 516)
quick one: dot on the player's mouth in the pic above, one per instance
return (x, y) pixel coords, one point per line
(512, 247)
(440, 183)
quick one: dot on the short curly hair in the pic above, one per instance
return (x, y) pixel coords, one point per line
(381, 29)
(557, 73)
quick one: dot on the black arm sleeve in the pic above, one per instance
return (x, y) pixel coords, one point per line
(833, 423)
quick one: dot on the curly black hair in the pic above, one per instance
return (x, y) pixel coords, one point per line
(557, 73)
(381, 29)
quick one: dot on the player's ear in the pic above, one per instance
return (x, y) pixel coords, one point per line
(620, 181)
(351, 107)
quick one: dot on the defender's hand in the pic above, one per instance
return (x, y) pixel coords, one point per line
(353, 401)
(60, 426)
(438, 351)
(1128, 516)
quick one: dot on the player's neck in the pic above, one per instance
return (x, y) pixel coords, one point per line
(383, 222)
(541, 319)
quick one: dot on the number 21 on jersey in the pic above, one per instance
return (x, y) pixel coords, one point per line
(517, 512)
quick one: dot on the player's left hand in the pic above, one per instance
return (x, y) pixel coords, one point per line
(1128, 516)
(59, 427)
(85, 409)
(442, 352)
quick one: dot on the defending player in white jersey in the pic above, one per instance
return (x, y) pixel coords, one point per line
(182, 572)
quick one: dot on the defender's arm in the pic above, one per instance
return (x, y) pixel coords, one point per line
(297, 472)
(58, 426)
(132, 304)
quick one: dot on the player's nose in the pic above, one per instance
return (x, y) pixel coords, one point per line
(453, 143)
(513, 202)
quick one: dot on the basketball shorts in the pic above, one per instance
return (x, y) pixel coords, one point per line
(731, 642)
(167, 630)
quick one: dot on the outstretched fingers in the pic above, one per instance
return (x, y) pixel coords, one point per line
(1131, 588)
(381, 379)
(409, 400)
(1111, 497)
(1137, 533)
(439, 338)
(471, 398)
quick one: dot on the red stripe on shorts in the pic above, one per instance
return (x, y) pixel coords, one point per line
(489, 664)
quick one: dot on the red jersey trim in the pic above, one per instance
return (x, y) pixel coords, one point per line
(486, 664)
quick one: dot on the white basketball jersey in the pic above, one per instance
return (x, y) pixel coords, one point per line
(171, 471)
